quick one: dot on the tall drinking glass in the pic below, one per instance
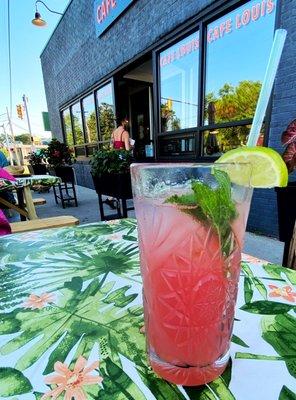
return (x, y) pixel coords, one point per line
(191, 223)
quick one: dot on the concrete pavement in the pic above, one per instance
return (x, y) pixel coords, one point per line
(88, 211)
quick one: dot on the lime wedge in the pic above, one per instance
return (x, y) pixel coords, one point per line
(267, 167)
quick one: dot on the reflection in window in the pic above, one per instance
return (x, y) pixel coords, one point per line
(176, 146)
(218, 141)
(68, 127)
(179, 84)
(89, 111)
(77, 123)
(238, 47)
(106, 112)
(80, 151)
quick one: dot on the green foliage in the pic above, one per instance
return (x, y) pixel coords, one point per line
(169, 121)
(23, 138)
(68, 129)
(106, 121)
(37, 157)
(232, 104)
(13, 382)
(211, 206)
(110, 161)
(279, 332)
(91, 127)
(265, 307)
(287, 394)
(58, 154)
(74, 311)
(235, 339)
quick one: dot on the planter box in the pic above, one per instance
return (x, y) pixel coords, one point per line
(39, 169)
(114, 185)
(286, 202)
(66, 173)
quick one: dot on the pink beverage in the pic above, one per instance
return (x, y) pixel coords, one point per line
(189, 274)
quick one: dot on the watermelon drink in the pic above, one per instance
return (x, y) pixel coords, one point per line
(191, 224)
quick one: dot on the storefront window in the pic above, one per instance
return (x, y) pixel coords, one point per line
(77, 124)
(218, 141)
(106, 112)
(68, 127)
(89, 111)
(179, 84)
(238, 47)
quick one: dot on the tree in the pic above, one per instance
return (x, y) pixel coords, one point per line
(24, 138)
(91, 127)
(233, 104)
(169, 121)
(106, 121)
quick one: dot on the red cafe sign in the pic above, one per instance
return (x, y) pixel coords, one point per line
(248, 15)
(107, 11)
(104, 9)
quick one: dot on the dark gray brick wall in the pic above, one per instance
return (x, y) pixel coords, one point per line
(263, 215)
(75, 59)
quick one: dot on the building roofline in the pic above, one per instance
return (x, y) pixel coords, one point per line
(56, 27)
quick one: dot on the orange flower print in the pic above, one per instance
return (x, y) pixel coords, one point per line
(115, 236)
(72, 382)
(37, 302)
(253, 260)
(112, 222)
(286, 292)
(142, 330)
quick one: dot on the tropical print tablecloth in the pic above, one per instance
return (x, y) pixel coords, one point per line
(71, 322)
(42, 180)
(34, 180)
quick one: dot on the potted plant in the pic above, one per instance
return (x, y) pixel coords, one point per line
(111, 173)
(60, 158)
(286, 197)
(37, 162)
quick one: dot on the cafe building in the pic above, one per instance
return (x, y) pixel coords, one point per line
(186, 74)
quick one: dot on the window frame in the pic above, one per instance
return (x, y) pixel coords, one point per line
(200, 24)
(79, 99)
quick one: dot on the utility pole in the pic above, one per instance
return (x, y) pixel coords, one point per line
(13, 139)
(7, 144)
(28, 119)
(10, 126)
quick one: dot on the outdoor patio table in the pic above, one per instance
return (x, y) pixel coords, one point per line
(71, 322)
(26, 183)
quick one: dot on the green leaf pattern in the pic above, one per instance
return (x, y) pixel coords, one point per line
(76, 292)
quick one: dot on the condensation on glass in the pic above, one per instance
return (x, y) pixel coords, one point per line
(106, 112)
(179, 84)
(77, 124)
(90, 123)
(68, 127)
(237, 52)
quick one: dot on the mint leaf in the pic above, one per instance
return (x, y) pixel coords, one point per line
(211, 206)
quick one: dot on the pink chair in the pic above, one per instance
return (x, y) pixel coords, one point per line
(4, 225)
(6, 175)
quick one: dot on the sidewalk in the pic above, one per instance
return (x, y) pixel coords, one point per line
(88, 211)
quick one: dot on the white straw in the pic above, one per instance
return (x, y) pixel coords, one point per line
(273, 63)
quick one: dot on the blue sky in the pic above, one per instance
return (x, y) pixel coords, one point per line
(27, 42)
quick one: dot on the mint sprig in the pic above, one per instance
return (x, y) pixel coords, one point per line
(211, 206)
